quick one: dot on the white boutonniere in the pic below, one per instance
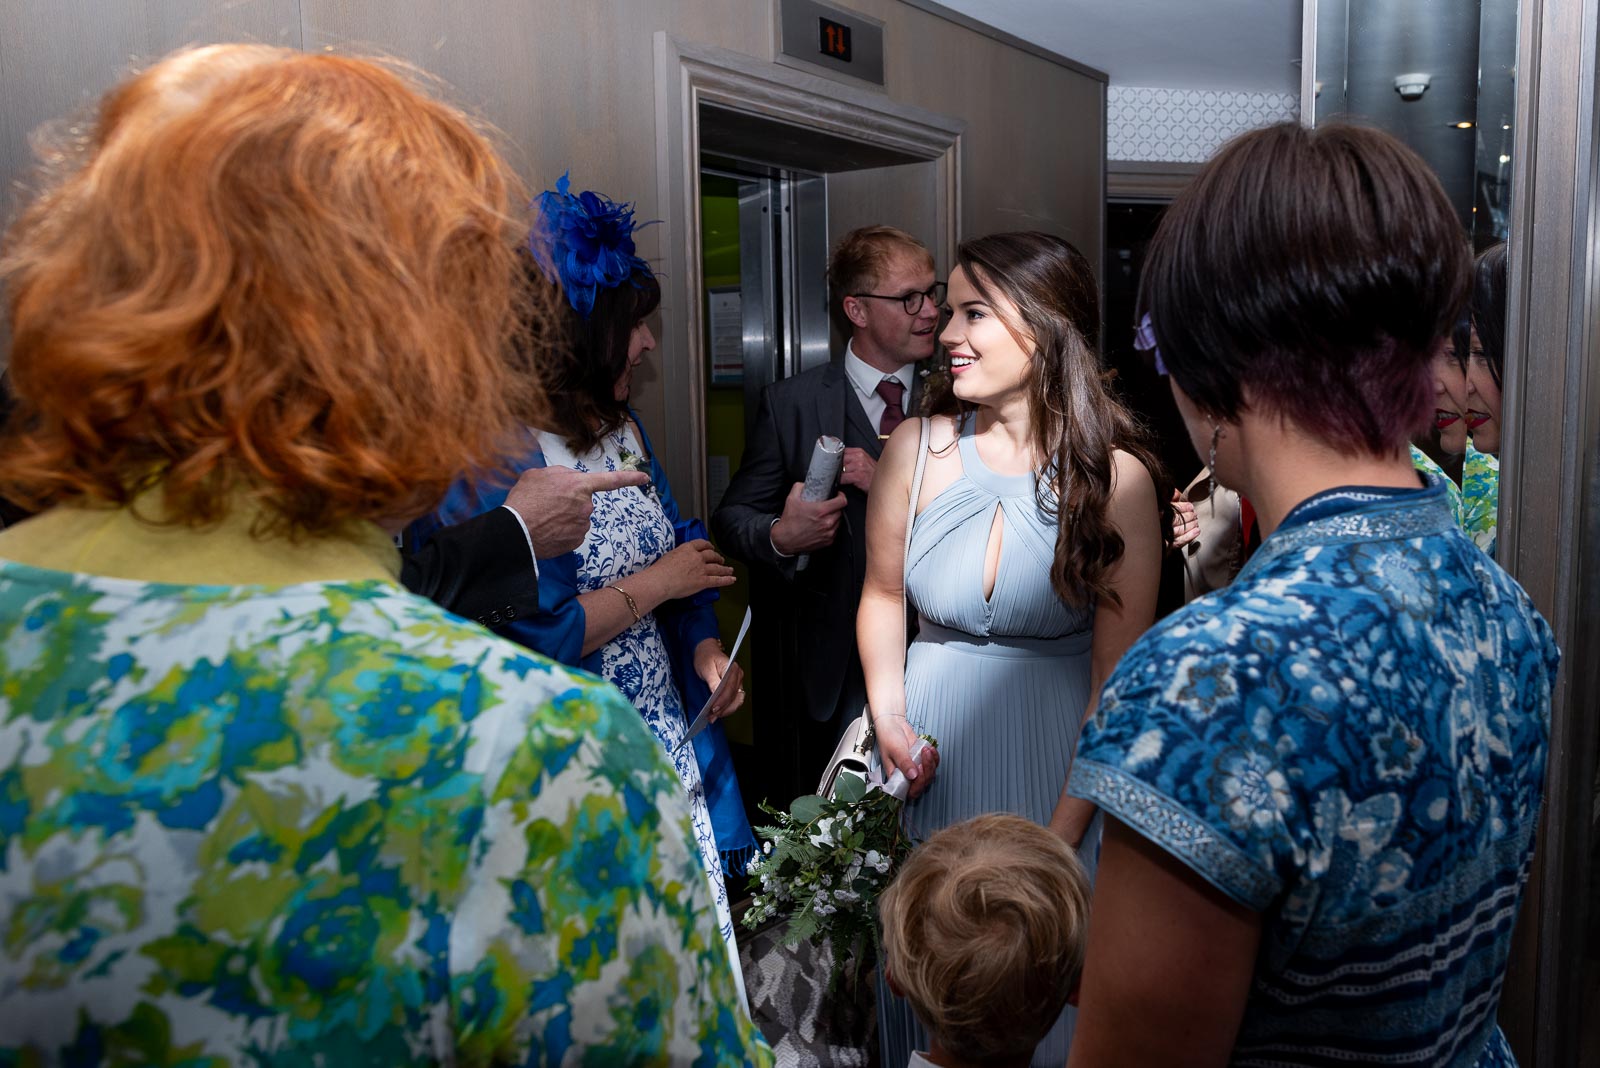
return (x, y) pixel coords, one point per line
(628, 460)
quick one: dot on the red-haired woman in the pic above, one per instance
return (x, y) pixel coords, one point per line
(256, 801)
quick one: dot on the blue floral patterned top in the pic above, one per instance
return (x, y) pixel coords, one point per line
(328, 823)
(1351, 740)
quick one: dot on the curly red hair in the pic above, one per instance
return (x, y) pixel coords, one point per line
(284, 275)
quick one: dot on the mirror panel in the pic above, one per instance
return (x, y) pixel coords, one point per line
(1496, 115)
(1439, 75)
(1470, 51)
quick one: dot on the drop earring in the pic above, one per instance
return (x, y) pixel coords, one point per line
(1216, 432)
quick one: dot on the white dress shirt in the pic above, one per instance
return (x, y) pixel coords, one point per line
(865, 378)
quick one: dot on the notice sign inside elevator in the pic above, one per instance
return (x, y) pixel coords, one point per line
(817, 35)
(834, 39)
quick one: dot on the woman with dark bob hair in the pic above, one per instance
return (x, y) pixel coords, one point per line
(1321, 783)
(256, 801)
(1032, 562)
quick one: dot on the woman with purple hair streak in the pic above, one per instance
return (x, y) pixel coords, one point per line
(1320, 783)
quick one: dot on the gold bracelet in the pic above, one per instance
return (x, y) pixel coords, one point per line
(626, 596)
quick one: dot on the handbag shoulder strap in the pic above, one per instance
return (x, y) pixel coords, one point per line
(867, 731)
(911, 508)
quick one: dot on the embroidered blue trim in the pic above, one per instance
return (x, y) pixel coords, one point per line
(1175, 829)
(1378, 519)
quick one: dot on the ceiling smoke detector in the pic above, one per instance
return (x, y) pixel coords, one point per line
(1412, 86)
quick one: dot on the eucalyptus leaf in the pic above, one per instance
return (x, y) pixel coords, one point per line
(807, 808)
(804, 926)
(849, 788)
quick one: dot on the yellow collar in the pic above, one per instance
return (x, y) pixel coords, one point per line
(113, 543)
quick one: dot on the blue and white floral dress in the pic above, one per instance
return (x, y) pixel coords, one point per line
(628, 532)
(1350, 739)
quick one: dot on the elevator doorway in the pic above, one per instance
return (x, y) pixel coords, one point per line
(764, 301)
(747, 237)
(773, 198)
(762, 169)
(764, 262)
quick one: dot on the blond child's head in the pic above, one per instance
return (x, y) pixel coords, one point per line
(983, 932)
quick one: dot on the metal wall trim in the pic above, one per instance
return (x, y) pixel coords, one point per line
(1549, 523)
(1308, 63)
(807, 263)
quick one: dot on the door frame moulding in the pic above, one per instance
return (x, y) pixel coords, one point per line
(690, 75)
(1147, 180)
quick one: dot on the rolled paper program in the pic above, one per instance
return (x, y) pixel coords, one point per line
(897, 784)
(822, 478)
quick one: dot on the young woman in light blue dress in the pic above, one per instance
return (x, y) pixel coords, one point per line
(1033, 563)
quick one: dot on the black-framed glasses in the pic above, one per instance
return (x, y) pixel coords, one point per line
(912, 302)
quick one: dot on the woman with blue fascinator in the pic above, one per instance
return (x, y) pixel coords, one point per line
(633, 603)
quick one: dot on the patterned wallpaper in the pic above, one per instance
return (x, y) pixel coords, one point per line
(1185, 125)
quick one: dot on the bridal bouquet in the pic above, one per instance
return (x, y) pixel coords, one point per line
(826, 860)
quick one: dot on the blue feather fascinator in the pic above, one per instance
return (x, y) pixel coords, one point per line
(588, 240)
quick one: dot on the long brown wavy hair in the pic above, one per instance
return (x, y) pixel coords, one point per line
(1075, 418)
(287, 276)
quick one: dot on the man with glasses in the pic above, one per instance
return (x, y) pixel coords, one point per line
(807, 673)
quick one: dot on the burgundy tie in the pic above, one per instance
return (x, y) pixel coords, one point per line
(891, 390)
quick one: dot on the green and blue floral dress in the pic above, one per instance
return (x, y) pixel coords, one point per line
(1480, 498)
(329, 823)
(1424, 463)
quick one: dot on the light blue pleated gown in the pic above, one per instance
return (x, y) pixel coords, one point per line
(1002, 682)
